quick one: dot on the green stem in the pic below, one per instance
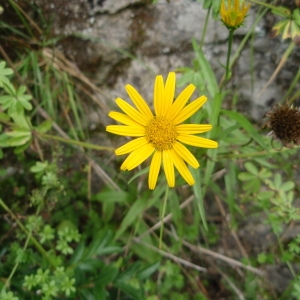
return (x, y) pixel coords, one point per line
(162, 217)
(205, 28)
(228, 67)
(253, 154)
(32, 239)
(73, 142)
(243, 43)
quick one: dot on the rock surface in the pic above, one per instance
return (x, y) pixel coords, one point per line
(130, 41)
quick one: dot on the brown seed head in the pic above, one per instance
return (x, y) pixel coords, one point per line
(285, 123)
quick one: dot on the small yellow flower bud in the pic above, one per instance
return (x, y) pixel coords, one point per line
(233, 14)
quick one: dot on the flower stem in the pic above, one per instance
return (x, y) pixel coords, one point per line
(230, 38)
(162, 217)
(73, 142)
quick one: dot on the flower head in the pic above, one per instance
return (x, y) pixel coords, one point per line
(284, 121)
(161, 134)
(233, 14)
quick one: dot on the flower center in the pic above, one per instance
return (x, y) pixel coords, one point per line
(161, 133)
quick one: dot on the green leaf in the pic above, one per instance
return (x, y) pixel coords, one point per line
(252, 186)
(4, 72)
(277, 181)
(19, 132)
(265, 195)
(130, 291)
(136, 210)
(3, 140)
(16, 101)
(39, 167)
(148, 271)
(107, 275)
(287, 186)
(44, 126)
(206, 71)
(197, 188)
(112, 196)
(4, 117)
(18, 141)
(138, 174)
(245, 176)
(244, 123)
(251, 168)
(281, 11)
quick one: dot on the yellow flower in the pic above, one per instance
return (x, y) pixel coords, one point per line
(233, 15)
(162, 134)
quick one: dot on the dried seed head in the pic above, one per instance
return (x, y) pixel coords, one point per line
(284, 121)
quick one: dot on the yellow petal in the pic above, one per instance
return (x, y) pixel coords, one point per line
(169, 168)
(190, 110)
(122, 118)
(126, 130)
(136, 157)
(139, 102)
(180, 102)
(131, 112)
(131, 146)
(192, 128)
(154, 169)
(186, 155)
(158, 95)
(197, 141)
(169, 92)
(182, 168)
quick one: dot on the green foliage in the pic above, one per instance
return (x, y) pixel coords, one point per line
(70, 235)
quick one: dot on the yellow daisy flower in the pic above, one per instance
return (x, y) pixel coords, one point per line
(233, 15)
(161, 134)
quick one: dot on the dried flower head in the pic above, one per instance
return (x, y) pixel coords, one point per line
(284, 121)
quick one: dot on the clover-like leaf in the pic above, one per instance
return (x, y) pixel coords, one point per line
(16, 100)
